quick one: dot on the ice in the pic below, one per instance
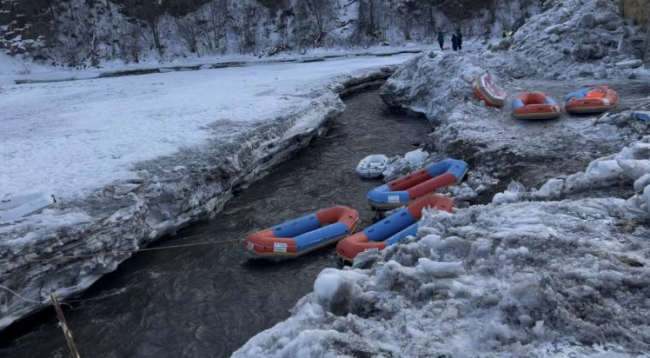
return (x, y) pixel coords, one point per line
(524, 279)
(416, 158)
(512, 194)
(634, 169)
(103, 127)
(642, 182)
(441, 269)
(552, 189)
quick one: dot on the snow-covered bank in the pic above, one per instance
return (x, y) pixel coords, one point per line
(560, 278)
(16, 70)
(543, 56)
(133, 159)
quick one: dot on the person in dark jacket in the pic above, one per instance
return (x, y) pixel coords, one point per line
(454, 42)
(441, 39)
(459, 39)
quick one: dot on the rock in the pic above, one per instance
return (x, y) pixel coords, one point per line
(632, 76)
(554, 38)
(588, 21)
(581, 52)
(606, 17)
(600, 74)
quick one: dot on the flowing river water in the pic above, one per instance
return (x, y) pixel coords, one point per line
(207, 301)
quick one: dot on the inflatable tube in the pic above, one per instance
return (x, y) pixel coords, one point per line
(372, 166)
(489, 91)
(300, 236)
(14, 208)
(597, 99)
(535, 105)
(392, 229)
(403, 191)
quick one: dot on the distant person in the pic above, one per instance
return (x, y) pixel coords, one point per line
(505, 34)
(459, 38)
(454, 42)
(441, 39)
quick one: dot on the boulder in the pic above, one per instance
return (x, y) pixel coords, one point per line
(606, 17)
(581, 52)
(588, 21)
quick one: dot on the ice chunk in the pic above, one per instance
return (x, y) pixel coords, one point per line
(634, 169)
(441, 269)
(512, 194)
(642, 182)
(416, 157)
(552, 189)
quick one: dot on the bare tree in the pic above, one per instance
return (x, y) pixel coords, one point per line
(188, 31)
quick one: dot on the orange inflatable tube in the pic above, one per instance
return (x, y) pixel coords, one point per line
(300, 236)
(392, 229)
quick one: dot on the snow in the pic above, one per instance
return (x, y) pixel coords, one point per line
(80, 136)
(523, 279)
(416, 157)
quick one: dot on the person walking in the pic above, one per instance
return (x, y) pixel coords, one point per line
(459, 39)
(454, 42)
(441, 39)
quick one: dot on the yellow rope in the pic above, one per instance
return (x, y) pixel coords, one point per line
(132, 251)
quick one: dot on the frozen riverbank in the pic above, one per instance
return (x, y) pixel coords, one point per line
(561, 271)
(136, 158)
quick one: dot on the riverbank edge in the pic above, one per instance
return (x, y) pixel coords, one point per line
(170, 193)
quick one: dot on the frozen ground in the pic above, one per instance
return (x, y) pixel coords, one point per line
(134, 158)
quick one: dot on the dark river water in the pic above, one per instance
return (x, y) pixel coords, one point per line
(208, 301)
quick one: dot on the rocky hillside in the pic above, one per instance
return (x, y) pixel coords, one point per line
(83, 33)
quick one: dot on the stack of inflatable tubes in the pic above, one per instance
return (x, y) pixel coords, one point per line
(595, 99)
(486, 89)
(300, 236)
(535, 105)
(392, 229)
(402, 191)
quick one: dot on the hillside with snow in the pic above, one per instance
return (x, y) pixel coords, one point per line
(80, 33)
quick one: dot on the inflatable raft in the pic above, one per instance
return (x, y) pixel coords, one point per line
(14, 208)
(300, 236)
(535, 105)
(372, 166)
(392, 229)
(489, 91)
(597, 99)
(403, 191)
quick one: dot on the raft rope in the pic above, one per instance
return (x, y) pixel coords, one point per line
(160, 248)
(19, 296)
(109, 253)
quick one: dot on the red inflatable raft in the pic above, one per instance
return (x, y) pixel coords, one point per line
(300, 236)
(387, 232)
(596, 99)
(489, 91)
(535, 105)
